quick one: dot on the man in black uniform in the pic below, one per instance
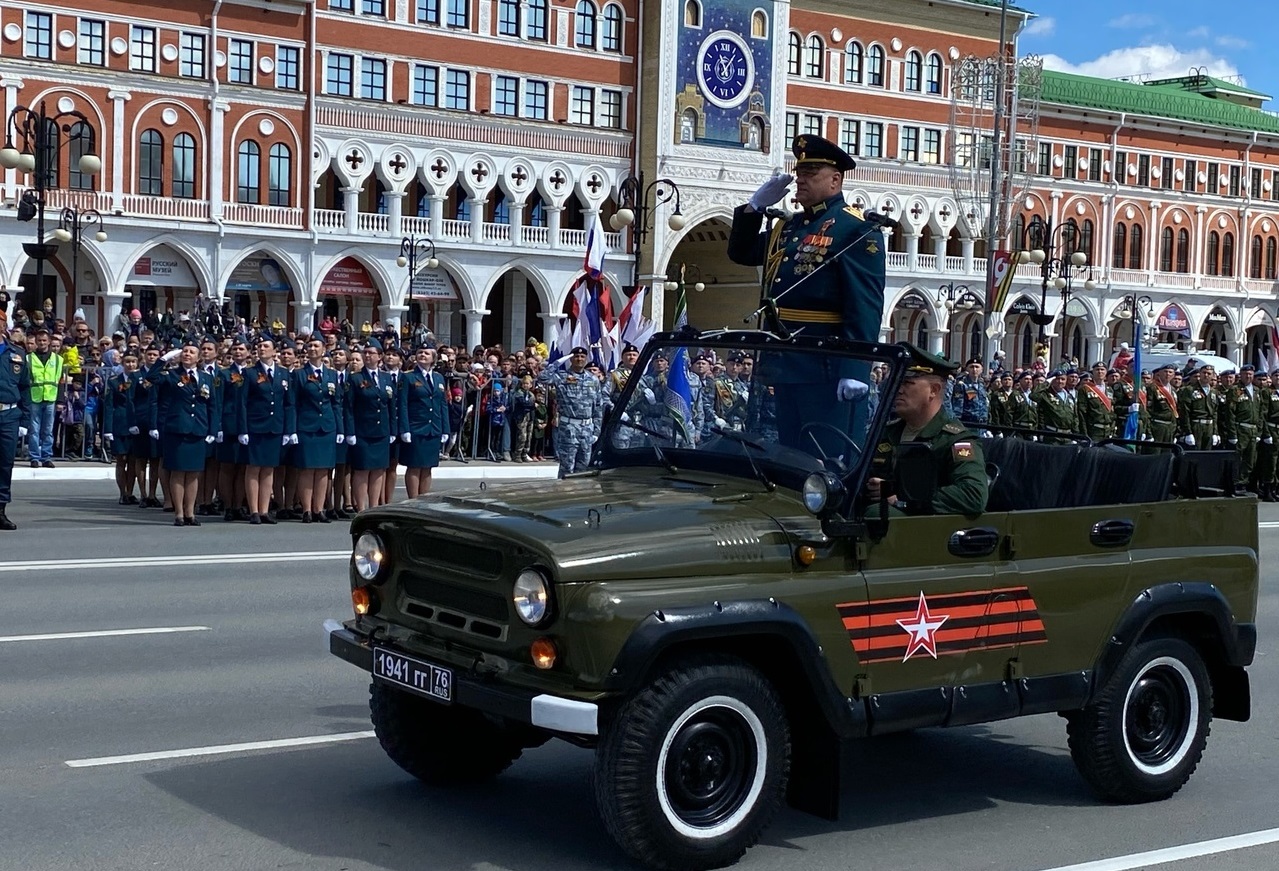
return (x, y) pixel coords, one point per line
(15, 409)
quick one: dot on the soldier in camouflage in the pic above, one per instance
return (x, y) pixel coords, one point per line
(969, 402)
(1197, 411)
(1096, 413)
(624, 437)
(731, 395)
(579, 406)
(1268, 450)
(1243, 424)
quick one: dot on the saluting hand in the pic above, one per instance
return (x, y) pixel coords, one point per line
(771, 191)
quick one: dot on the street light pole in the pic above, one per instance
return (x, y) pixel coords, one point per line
(412, 250)
(39, 135)
(71, 226)
(638, 205)
(1040, 242)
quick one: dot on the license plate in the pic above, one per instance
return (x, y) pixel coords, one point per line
(430, 680)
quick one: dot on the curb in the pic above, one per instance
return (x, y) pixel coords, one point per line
(474, 471)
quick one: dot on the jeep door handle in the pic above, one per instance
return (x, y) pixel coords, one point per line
(974, 542)
(1111, 533)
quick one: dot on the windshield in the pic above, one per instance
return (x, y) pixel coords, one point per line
(776, 412)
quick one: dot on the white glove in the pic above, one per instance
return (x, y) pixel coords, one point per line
(350, 440)
(1147, 437)
(1268, 440)
(721, 423)
(649, 396)
(1216, 440)
(284, 440)
(219, 437)
(208, 440)
(851, 390)
(293, 438)
(1234, 441)
(406, 437)
(22, 432)
(108, 436)
(341, 438)
(171, 355)
(244, 438)
(133, 430)
(1189, 441)
(626, 418)
(1134, 407)
(154, 433)
(771, 191)
(391, 440)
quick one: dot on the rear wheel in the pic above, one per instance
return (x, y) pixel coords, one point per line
(694, 766)
(1144, 734)
(439, 744)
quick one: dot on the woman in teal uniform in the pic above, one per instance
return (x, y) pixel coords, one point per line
(190, 424)
(116, 401)
(265, 422)
(370, 409)
(232, 455)
(424, 421)
(144, 449)
(319, 423)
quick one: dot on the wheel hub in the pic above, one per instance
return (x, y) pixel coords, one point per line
(708, 767)
(1157, 716)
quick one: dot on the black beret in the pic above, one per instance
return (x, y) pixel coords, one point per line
(628, 348)
(579, 350)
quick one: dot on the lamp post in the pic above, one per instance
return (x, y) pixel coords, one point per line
(956, 296)
(638, 205)
(39, 135)
(1056, 251)
(72, 223)
(683, 277)
(1128, 308)
(415, 250)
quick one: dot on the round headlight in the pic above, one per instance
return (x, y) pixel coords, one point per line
(368, 556)
(531, 597)
(815, 492)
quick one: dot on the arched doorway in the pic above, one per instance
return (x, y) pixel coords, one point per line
(1074, 332)
(513, 306)
(161, 280)
(1020, 333)
(1172, 326)
(730, 292)
(348, 294)
(1213, 334)
(259, 290)
(911, 320)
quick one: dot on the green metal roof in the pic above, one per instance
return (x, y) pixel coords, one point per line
(1154, 101)
(1207, 84)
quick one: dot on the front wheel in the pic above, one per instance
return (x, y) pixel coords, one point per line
(1144, 734)
(694, 766)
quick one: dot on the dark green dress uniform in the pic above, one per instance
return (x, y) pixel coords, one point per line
(1197, 414)
(319, 415)
(1268, 450)
(190, 415)
(1243, 426)
(1056, 411)
(15, 411)
(1022, 410)
(370, 408)
(142, 399)
(1096, 411)
(116, 399)
(423, 413)
(231, 451)
(265, 412)
(1161, 404)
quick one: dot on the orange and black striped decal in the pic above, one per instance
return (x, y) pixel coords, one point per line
(887, 630)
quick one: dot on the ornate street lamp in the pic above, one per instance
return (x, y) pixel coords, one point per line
(1041, 243)
(72, 224)
(39, 135)
(416, 250)
(638, 206)
(684, 277)
(1129, 307)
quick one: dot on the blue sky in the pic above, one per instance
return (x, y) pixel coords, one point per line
(1155, 38)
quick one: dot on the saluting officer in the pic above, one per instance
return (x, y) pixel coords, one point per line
(190, 423)
(370, 410)
(424, 421)
(1196, 411)
(1023, 412)
(579, 405)
(15, 410)
(266, 421)
(319, 423)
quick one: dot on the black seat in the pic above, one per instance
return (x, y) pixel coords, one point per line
(1034, 475)
(1031, 474)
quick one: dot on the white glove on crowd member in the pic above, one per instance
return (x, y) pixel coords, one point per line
(650, 396)
(284, 440)
(1134, 407)
(391, 440)
(771, 191)
(133, 430)
(1189, 441)
(1234, 441)
(406, 437)
(293, 438)
(341, 438)
(219, 437)
(209, 439)
(350, 440)
(721, 423)
(1268, 440)
(244, 438)
(154, 433)
(170, 356)
(1216, 440)
(851, 390)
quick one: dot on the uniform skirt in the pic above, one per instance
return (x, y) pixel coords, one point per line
(421, 453)
(145, 448)
(231, 451)
(182, 453)
(121, 446)
(369, 454)
(315, 451)
(263, 450)
(393, 450)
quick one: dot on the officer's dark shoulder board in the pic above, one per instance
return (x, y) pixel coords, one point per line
(953, 428)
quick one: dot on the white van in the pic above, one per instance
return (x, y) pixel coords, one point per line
(1162, 355)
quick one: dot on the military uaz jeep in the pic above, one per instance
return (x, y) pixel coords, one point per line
(717, 609)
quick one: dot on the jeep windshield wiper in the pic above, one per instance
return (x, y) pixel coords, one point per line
(734, 436)
(657, 449)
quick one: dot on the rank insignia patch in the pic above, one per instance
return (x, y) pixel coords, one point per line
(962, 450)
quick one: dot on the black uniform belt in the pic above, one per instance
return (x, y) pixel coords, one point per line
(808, 316)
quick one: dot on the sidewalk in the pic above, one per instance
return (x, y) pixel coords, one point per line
(448, 470)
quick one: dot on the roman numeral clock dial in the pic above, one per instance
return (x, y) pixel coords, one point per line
(725, 69)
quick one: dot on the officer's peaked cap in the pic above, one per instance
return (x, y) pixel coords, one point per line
(923, 363)
(810, 150)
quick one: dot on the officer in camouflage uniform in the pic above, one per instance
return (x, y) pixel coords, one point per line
(1268, 450)
(1197, 411)
(579, 406)
(650, 398)
(968, 400)
(702, 390)
(1096, 411)
(999, 407)
(731, 395)
(962, 486)
(1222, 384)
(1243, 424)
(614, 384)
(1161, 403)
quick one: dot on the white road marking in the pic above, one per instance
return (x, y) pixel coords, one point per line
(198, 559)
(105, 633)
(1178, 854)
(218, 749)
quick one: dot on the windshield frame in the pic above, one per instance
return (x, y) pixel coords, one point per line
(736, 463)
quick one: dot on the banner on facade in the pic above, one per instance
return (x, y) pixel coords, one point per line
(433, 284)
(1000, 281)
(1024, 306)
(1173, 320)
(913, 302)
(348, 277)
(162, 267)
(258, 273)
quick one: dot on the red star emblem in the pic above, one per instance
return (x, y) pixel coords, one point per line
(922, 629)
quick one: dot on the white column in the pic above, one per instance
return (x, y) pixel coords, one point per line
(656, 299)
(118, 130)
(1201, 243)
(351, 205)
(218, 157)
(393, 315)
(912, 252)
(394, 212)
(553, 224)
(304, 313)
(966, 250)
(517, 223)
(1099, 349)
(550, 326)
(477, 221)
(437, 216)
(1154, 242)
(113, 303)
(937, 341)
(11, 87)
(474, 321)
(516, 310)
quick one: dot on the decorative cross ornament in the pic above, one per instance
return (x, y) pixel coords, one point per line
(916, 210)
(859, 203)
(594, 184)
(558, 180)
(439, 168)
(519, 175)
(398, 164)
(886, 208)
(479, 172)
(944, 212)
(355, 160)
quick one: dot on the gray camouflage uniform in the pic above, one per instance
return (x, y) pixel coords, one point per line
(579, 408)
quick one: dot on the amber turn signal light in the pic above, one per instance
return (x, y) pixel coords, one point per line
(364, 601)
(805, 554)
(543, 652)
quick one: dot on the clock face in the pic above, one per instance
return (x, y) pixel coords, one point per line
(725, 69)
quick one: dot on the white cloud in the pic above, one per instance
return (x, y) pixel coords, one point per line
(1041, 27)
(1146, 61)
(1132, 20)
(1200, 32)
(1234, 42)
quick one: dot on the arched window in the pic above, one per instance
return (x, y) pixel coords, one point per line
(854, 57)
(536, 210)
(52, 152)
(932, 75)
(759, 24)
(584, 31)
(151, 163)
(1254, 261)
(279, 175)
(611, 35)
(1213, 254)
(1085, 239)
(1135, 247)
(1120, 255)
(183, 166)
(248, 188)
(501, 208)
(914, 71)
(1019, 232)
(1165, 250)
(80, 142)
(1270, 257)
(793, 51)
(1183, 250)
(692, 13)
(1027, 354)
(875, 66)
(1228, 254)
(688, 126)
(814, 55)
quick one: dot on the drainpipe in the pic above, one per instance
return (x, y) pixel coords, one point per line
(313, 286)
(215, 258)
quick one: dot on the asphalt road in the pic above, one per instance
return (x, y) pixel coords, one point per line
(250, 665)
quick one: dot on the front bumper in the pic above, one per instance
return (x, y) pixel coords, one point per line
(553, 713)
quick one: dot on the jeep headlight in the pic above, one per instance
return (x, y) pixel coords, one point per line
(531, 596)
(368, 556)
(821, 490)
